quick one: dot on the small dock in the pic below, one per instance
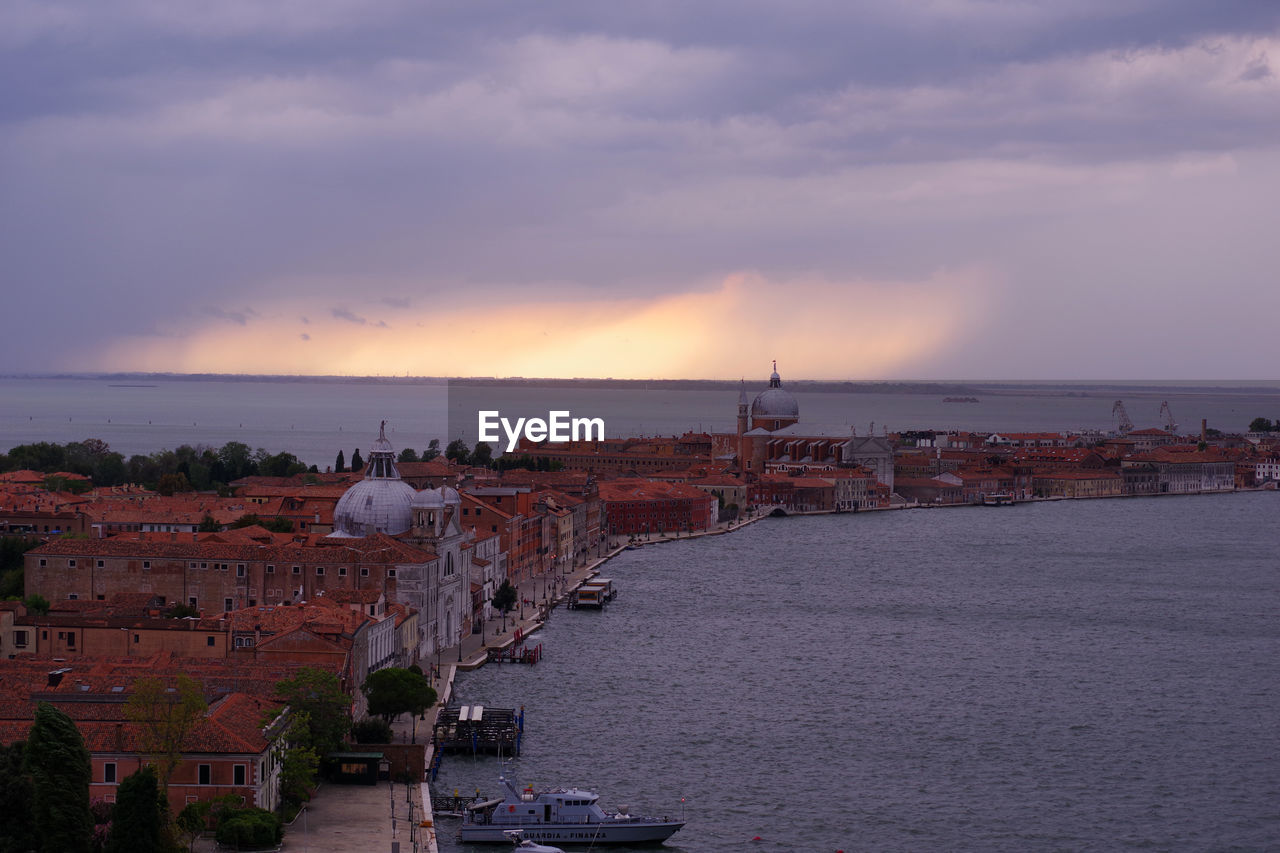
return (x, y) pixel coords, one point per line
(476, 729)
(514, 654)
(593, 594)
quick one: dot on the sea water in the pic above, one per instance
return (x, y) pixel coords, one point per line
(315, 419)
(1073, 675)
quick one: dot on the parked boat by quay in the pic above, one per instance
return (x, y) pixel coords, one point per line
(595, 593)
(527, 845)
(997, 500)
(561, 816)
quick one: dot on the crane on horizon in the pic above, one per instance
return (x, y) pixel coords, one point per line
(1125, 425)
(1170, 424)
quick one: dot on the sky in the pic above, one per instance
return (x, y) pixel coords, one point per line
(864, 190)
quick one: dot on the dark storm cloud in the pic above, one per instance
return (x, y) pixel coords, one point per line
(237, 317)
(344, 314)
(303, 152)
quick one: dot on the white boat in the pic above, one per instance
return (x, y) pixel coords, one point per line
(522, 843)
(562, 816)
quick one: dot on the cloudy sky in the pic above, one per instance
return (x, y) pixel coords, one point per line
(946, 189)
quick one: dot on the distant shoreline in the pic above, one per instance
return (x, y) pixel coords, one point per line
(1081, 388)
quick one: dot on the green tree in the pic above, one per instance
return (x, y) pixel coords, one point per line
(165, 717)
(36, 603)
(169, 484)
(299, 761)
(371, 731)
(192, 821)
(408, 455)
(60, 770)
(140, 821)
(432, 451)
(482, 455)
(457, 451)
(1261, 425)
(340, 464)
(394, 691)
(279, 465)
(17, 830)
(505, 597)
(182, 611)
(249, 827)
(209, 524)
(319, 695)
(235, 460)
(275, 525)
(356, 462)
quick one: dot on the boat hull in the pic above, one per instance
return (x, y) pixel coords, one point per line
(610, 832)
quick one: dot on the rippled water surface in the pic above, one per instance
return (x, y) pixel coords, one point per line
(1091, 675)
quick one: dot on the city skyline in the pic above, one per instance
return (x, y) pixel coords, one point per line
(1017, 191)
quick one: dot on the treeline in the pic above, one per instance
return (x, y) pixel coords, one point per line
(187, 468)
(202, 468)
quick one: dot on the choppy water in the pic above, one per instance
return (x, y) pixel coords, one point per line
(314, 420)
(1094, 675)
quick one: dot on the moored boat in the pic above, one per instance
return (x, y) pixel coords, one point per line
(561, 816)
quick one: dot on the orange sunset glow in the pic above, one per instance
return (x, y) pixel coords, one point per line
(832, 330)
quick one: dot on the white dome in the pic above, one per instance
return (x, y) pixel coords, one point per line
(450, 496)
(428, 499)
(375, 505)
(775, 403)
(381, 502)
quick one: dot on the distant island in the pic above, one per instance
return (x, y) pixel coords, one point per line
(951, 391)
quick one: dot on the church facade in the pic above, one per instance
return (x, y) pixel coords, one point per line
(430, 519)
(770, 438)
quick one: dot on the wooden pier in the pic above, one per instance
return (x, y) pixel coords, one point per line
(475, 729)
(516, 654)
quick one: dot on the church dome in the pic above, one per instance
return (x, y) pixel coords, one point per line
(428, 499)
(775, 401)
(381, 502)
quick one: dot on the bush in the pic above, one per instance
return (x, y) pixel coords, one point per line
(250, 827)
(372, 731)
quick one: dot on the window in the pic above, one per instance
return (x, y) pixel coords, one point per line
(192, 601)
(137, 638)
(342, 571)
(73, 596)
(271, 570)
(71, 639)
(146, 564)
(208, 641)
(71, 564)
(319, 570)
(43, 562)
(20, 639)
(109, 772)
(205, 774)
(204, 565)
(297, 570)
(364, 573)
(227, 604)
(391, 573)
(240, 570)
(102, 564)
(238, 774)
